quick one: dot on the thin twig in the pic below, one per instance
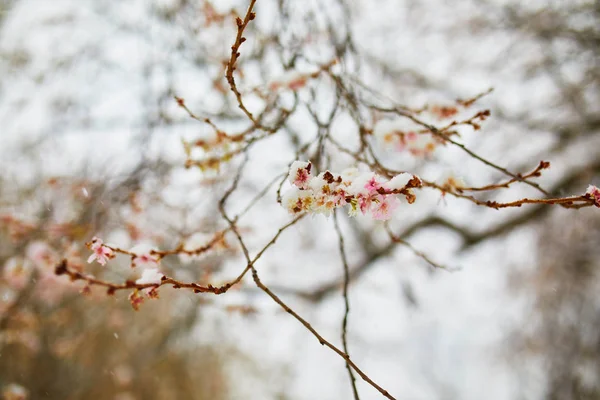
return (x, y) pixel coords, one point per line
(346, 302)
(567, 202)
(418, 253)
(320, 338)
(239, 39)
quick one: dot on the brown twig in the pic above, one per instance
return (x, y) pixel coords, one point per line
(537, 172)
(63, 268)
(425, 257)
(231, 64)
(567, 202)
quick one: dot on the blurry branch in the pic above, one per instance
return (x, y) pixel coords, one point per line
(346, 301)
(23, 297)
(418, 253)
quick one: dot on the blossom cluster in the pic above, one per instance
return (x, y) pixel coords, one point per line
(395, 134)
(364, 192)
(593, 193)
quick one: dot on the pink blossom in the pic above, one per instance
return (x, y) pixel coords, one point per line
(300, 174)
(340, 197)
(145, 260)
(384, 207)
(594, 193)
(100, 252)
(364, 203)
(372, 185)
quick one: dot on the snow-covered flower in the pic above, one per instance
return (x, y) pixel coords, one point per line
(320, 183)
(146, 260)
(594, 193)
(364, 192)
(143, 256)
(372, 185)
(150, 276)
(300, 174)
(362, 183)
(325, 204)
(100, 252)
(297, 201)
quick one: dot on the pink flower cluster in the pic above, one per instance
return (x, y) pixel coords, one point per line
(593, 193)
(363, 192)
(397, 135)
